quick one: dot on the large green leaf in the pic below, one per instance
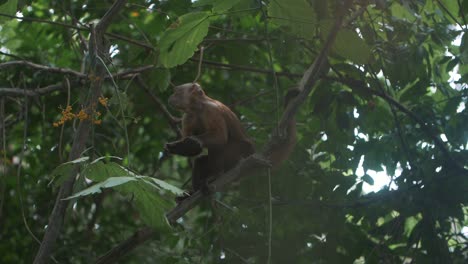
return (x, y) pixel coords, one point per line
(349, 45)
(9, 8)
(181, 39)
(218, 5)
(108, 183)
(151, 204)
(61, 172)
(296, 15)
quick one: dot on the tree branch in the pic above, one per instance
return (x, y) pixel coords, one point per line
(244, 68)
(173, 121)
(31, 92)
(128, 245)
(59, 86)
(42, 67)
(96, 47)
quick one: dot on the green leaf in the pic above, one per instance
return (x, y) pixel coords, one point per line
(181, 39)
(60, 174)
(150, 203)
(99, 171)
(224, 5)
(62, 171)
(349, 45)
(218, 5)
(9, 8)
(296, 15)
(463, 49)
(400, 11)
(162, 77)
(109, 183)
(200, 3)
(164, 185)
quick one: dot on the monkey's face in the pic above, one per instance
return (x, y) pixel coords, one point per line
(184, 96)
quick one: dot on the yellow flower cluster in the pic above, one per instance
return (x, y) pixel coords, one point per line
(82, 115)
(66, 115)
(103, 100)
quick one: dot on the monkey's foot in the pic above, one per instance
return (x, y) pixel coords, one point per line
(186, 195)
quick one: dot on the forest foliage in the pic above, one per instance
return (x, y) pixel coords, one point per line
(379, 173)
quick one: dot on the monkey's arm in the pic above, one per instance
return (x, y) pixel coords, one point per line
(188, 147)
(215, 133)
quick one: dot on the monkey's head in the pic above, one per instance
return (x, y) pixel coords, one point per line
(186, 96)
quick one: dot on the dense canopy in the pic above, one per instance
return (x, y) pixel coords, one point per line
(379, 173)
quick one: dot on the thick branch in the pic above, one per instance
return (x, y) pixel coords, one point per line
(96, 48)
(128, 245)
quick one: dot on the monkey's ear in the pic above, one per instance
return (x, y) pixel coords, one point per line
(196, 88)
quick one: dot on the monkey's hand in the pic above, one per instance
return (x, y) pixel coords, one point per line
(188, 147)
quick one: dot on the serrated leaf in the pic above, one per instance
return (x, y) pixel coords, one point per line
(62, 171)
(180, 41)
(162, 77)
(150, 203)
(218, 5)
(297, 15)
(349, 45)
(100, 171)
(9, 8)
(164, 185)
(108, 183)
(224, 5)
(199, 3)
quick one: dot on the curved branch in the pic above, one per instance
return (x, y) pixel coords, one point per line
(244, 68)
(59, 86)
(31, 92)
(173, 121)
(42, 67)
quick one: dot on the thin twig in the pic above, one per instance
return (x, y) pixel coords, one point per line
(57, 87)
(200, 60)
(42, 67)
(18, 172)
(173, 121)
(245, 68)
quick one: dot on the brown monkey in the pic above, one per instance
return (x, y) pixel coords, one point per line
(207, 123)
